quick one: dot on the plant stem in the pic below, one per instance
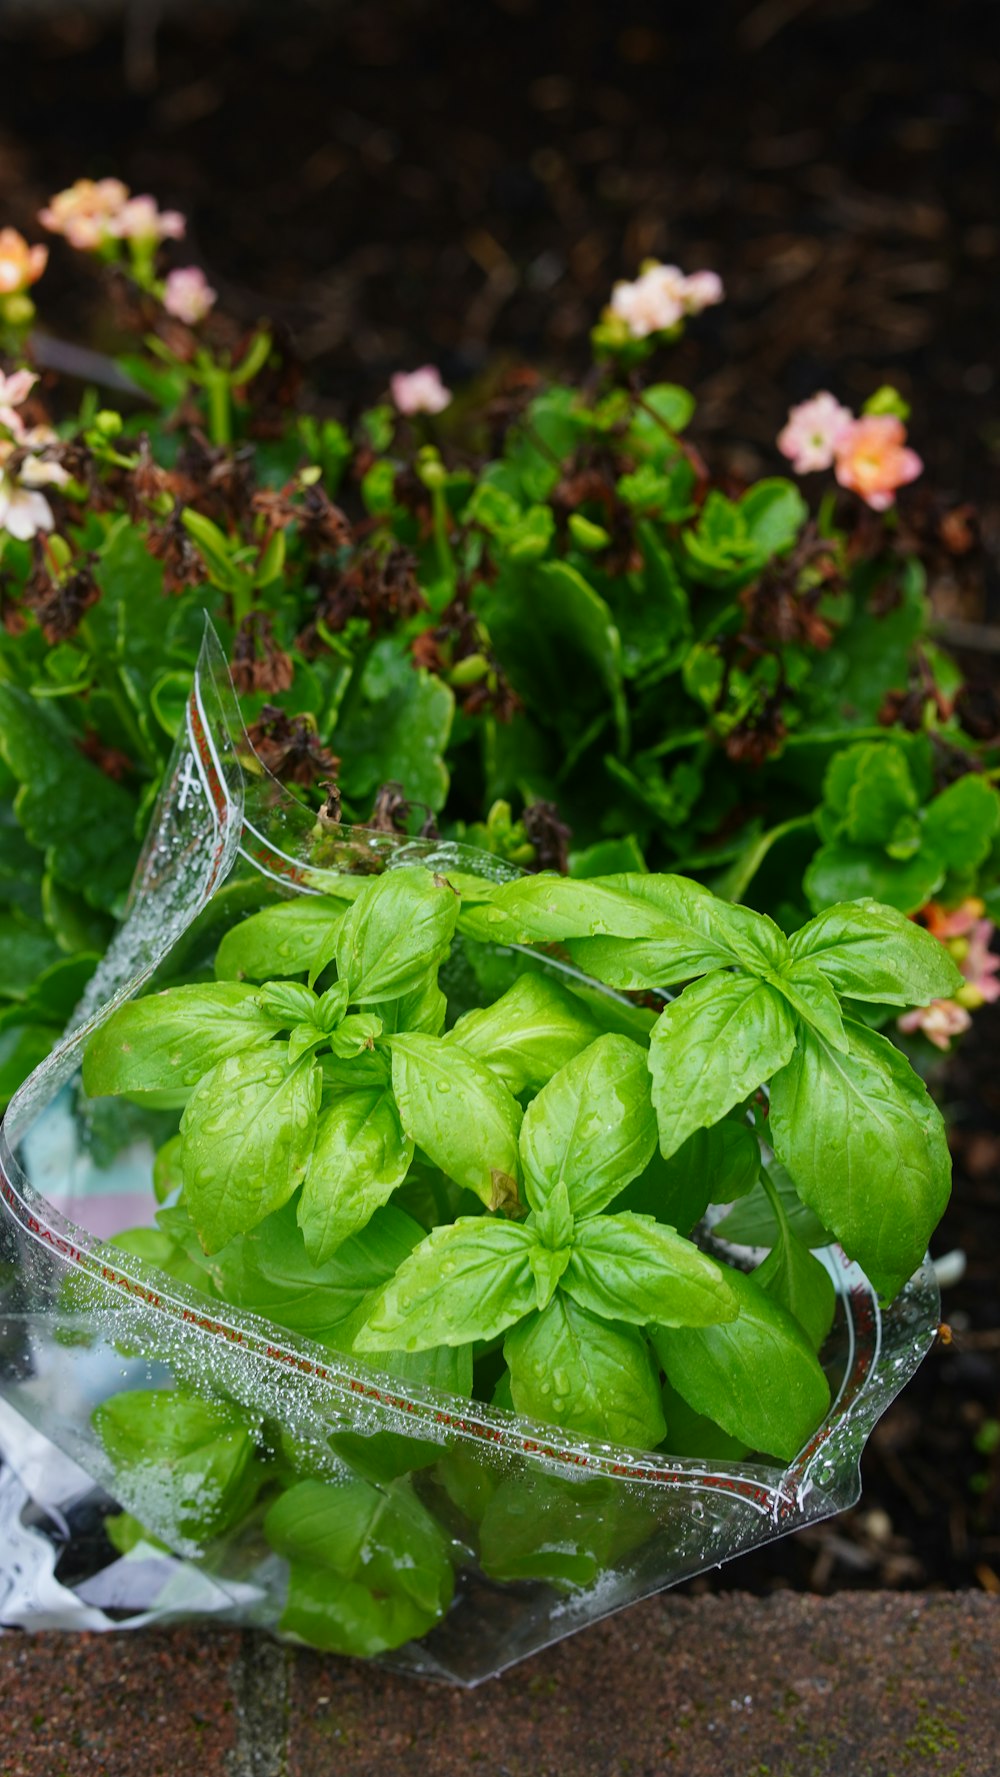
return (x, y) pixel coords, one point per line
(744, 873)
(220, 418)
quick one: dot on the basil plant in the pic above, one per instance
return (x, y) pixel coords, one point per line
(466, 1132)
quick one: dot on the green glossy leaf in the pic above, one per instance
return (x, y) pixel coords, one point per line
(528, 1034)
(592, 1127)
(167, 1042)
(871, 952)
(399, 927)
(811, 996)
(753, 1221)
(368, 1566)
(249, 1129)
(460, 1114)
(756, 1376)
(719, 1040)
(185, 1464)
(797, 1281)
(713, 1165)
(631, 1268)
(587, 1375)
(696, 932)
(397, 731)
(467, 1280)
(270, 1272)
(961, 824)
(866, 1148)
(842, 872)
(361, 1155)
(774, 512)
(25, 950)
(291, 938)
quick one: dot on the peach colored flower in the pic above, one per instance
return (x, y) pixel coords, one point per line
(813, 432)
(940, 1021)
(956, 923)
(20, 265)
(871, 458)
(419, 391)
(84, 212)
(188, 295)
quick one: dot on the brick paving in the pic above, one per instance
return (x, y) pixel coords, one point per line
(858, 1685)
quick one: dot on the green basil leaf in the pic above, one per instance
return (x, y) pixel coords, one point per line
(961, 823)
(355, 1035)
(168, 1041)
(866, 1147)
(756, 1376)
(248, 1129)
(546, 909)
(809, 994)
(368, 1566)
(468, 1280)
(598, 1379)
(186, 1463)
(399, 927)
(792, 1277)
(528, 1034)
(719, 1040)
(270, 1272)
(292, 938)
(302, 1039)
(538, 1526)
(424, 1008)
(693, 1434)
(288, 1003)
(693, 932)
(361, 1155)
(753, 1222)
(630, 1267)
(460, 1114)
(592, 1127)
(871, 952)
(714, 1165)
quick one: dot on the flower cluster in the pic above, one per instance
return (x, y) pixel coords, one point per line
(965, 934)
(869, 455)
(24, 463)
(94, 213)
(661, 297)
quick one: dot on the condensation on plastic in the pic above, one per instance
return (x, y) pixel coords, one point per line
(223, 827)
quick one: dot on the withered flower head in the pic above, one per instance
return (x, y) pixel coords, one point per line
(549, 835)
(290, 748)
(322, 525)
(169, 543)
(391, 812)
(58, 602)
(258, 663)
(379, 585)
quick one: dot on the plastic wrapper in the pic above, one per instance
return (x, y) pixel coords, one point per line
(452, 1538)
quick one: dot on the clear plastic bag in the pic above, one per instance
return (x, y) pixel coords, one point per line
(483, 1536)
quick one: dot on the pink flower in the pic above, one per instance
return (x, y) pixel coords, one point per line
(661, 296)
(653, 303)
(187, 295)
(419, 391)
(872, 460)
(979, 965)
(14, 390)
(813, 433)
(702, 290)
(84, 211)
(23, 510)
(20, 265)
(940, 1021)
(140, 220)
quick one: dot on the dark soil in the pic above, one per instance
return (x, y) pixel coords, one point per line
(401, 180)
